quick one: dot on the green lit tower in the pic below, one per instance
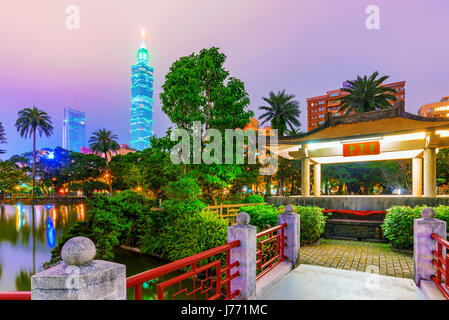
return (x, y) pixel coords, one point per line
(141, 100)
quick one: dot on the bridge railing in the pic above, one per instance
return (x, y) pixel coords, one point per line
(270, 249)
(225, 272)
(213, 276)
(441, 263)
(229, 211)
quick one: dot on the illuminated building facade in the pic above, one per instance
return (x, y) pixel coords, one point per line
(436, 109)
(74, 130)
(317, 107)
(141, 121)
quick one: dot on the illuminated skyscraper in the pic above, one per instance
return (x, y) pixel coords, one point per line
(74, 130)
(141, 100)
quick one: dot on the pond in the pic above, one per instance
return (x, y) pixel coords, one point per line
(29, 233)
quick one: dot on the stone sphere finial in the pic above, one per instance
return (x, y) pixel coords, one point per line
(428, 213)
(243, 218)
(78, 251)
(288, 209)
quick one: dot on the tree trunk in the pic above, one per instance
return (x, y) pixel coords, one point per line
(109, 174)
(34, 163)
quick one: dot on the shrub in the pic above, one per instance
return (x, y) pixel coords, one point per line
(254, 198)
(442, 213)
(398, 224)
(183, 197)
(262, 216)
(122, 219)
(313, 222)
(188, 235)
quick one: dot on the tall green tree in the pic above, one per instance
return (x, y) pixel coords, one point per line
(31, 120)
(2, 137)
(104, 142)
(367, 94)
(282, 111)
(199, 88)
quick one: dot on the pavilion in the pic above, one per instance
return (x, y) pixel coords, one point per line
(391, 134)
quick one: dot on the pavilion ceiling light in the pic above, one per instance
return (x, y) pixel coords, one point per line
(396, 155)
(405, 137)
(321, 145)
(442, 133)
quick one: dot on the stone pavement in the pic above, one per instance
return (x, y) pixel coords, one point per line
(358, 256)
(308, 282)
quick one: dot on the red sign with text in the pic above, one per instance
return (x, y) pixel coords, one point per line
(361, 149)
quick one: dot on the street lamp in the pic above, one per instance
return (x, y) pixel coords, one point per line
(54, 187)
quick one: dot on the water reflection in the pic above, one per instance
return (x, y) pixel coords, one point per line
(27, 236)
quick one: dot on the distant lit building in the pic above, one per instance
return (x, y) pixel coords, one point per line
(125, 149)
(436, 109)
(74, 130)
(141, 121)
(317, 107)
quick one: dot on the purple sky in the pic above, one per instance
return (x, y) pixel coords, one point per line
(305, 46)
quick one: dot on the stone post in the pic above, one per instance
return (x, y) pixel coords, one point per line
(80, 277)
(423, 244)
(245, 254)
(292, 232)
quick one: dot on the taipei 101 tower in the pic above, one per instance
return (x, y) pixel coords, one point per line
(141, 100)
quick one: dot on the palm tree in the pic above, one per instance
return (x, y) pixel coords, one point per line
(294, 132)
(30, 120)
(282, 111)
(367, 94)
(104, 142)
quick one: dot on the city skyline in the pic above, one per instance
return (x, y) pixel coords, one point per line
(90, 66)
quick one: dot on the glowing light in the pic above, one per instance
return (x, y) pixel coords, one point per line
(443, 133)
(142, 33)
(321, 145)
(405, 137)
(396, 155)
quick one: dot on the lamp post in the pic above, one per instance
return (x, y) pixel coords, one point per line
(54, 187)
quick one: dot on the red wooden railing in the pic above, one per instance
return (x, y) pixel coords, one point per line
(441, 262)
(15, 295)
(270, 249)
(211, 281)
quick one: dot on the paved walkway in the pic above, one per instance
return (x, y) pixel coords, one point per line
(358, 256)
(318, 283)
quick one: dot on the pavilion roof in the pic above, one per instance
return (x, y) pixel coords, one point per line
(391, 121)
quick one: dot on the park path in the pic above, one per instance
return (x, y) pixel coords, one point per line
(358, 256)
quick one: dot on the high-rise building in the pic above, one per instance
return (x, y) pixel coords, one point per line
(74, 130)
(436, 109)
(141, 100)
(317, 107)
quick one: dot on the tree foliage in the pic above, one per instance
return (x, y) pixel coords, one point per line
(367, 94)
(282, 112)
(199, 88)
(2, 137)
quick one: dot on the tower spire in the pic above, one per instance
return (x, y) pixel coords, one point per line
(142, 35)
